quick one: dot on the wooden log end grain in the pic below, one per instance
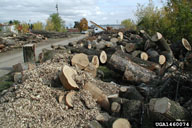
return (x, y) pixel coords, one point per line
(66, 78)
(121, 123)
(186, 44)
(103, 57)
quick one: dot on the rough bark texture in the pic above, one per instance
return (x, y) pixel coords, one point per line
(29, 53)
(97, 94)
(169, 109)
(119, 61)
(131, 93)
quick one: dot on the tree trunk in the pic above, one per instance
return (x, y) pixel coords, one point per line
(29, 53)
(119, 62)
(131, 93)
(162, 43)
(137, 74)
(98, 95)
(169, 109)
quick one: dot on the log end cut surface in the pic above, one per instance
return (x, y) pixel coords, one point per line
(66, 77)
(121, 123)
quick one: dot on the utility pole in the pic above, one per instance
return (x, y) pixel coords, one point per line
(57, 8)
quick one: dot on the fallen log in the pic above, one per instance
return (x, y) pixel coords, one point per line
(115, 107)
(131, 47)
(132, 111)
(155, 57)
(130, 92)
(91, 69)
(94, 60)
(113, 122)
(81, 60)
(169, 109)
(98, 95)
(66, 78)
(161, 42)
(119, 61)
(132, 71)
(136, 73)
(101, 54)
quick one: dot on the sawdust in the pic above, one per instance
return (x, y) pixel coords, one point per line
(34, 103)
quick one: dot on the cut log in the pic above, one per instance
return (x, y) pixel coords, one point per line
(120, 34)
(161, 42)
(98, 95)
(29, 53)
(130, 47)
(136, 53)
(118, 100)
(91, 69)
(145, 35)
(162, 59)
(81, 60)
(94, 60)
(115, 107)
(114, 40)
(103, 57)
(112, 122)
(144, 56)
(130, 92)
(186, 44)
(169, 109)
(132, 110)
(155, 57)
(94, 124)
(69, 98)
(110, 44)
(66, 78)
(101, 54)
(169, 58)
(121, 123)
(135, 73)
(119, 60)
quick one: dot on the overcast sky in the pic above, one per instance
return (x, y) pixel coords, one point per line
(100, 11)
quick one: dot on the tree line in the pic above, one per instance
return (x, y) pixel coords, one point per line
(173, 20)
(53, 23)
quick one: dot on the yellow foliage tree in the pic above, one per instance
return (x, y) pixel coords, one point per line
(129, 24)
(38, 26)
(49, 26)
(83, 26)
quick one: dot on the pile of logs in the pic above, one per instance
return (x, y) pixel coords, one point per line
(156, 79)
(17, 41)
(51, 34)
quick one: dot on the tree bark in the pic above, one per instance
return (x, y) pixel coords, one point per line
(119, 62)
(169, 109)
(98, 95)
(131, 93)
(29, 53)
